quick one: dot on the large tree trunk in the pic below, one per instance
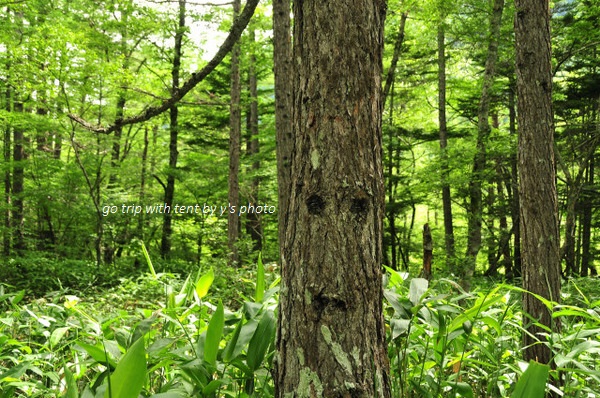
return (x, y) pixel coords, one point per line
(475, 210)
(331, 337)
(167, 230)
(282, 70)
(235, 132)
(539, 210)
(445, 170)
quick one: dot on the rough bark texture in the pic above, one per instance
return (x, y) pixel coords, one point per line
(18, 183)
(475, 211)
(539, 212)
(282, 69)
(235, 132)
(167, 230)
(331, 337)
(445, 170)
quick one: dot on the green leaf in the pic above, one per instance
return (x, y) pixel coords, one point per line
(57, 335)
(260, 280)
(204, 283)
(418, 287)
(71, 385)
(532, 383)
(211, 387)
(98, 354)
(463, 389)
(257, 348)
(149, 261)
(213, 335)
(241, 336)
(129, 377)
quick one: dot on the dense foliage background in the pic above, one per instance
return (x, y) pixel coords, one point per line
(84, 271)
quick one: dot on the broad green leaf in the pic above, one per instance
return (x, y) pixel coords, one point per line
(213, 335)
(463, 389)
(257, 348)
(260, 280)
(129, 377)
(211, 387)
(204, 283)
(532, 383)
(57, 335)
(418, 287)
(97, 353)
(71, 384)
(242, 335)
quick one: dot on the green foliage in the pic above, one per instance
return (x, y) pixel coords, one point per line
(445, 342)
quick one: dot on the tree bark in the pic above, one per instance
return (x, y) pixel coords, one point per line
(445, 170)
(18, 184)
(235, 132)
(539, 210)
(167, 229)
(331, 337)
(282, 69)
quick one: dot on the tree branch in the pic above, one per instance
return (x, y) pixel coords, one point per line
(234, 34)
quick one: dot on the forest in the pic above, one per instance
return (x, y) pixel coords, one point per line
(296, 199)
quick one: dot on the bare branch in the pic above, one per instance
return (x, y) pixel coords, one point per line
(234, 34)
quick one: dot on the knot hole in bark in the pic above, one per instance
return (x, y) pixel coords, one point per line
(324, 302)
(315, 204)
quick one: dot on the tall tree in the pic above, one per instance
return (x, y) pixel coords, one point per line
(167, 229)
(282, 69)
(442, 124)
(331, 338)
(475, 211)
(235, 133)
(539, 210)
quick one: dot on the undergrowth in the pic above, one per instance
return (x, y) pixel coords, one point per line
(164, 336)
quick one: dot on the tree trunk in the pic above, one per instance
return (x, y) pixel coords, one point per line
(475, 210)
(235, 132)
(253, 224)
(445, 169)
(427, 252)
(539, 210)
(331, 337)
(282, 70)
(167, 230)
(515, 203)
(7, 238)
(18, 182)
(586, 255)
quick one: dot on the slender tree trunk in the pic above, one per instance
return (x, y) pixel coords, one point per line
(167, 230)
(331, 337)
(475, 210)
(18, 182)
(142, 195)
(253, 224)
(445, 169)
(235, 132)
(391, 73)
(515, 204)
(586, 255)
(539, 209)
(283, 107)
(7, 149)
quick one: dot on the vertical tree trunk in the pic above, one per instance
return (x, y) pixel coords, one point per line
(167, 230)
(18, 182)
(282, 70)
(6, 238)
(539, 210)
(427, 252)
(143, 172)
(586, 255)
(253, 224)
(515, 204)
(445, 169)
(233, 220)
(331, 337)
(475, 210)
